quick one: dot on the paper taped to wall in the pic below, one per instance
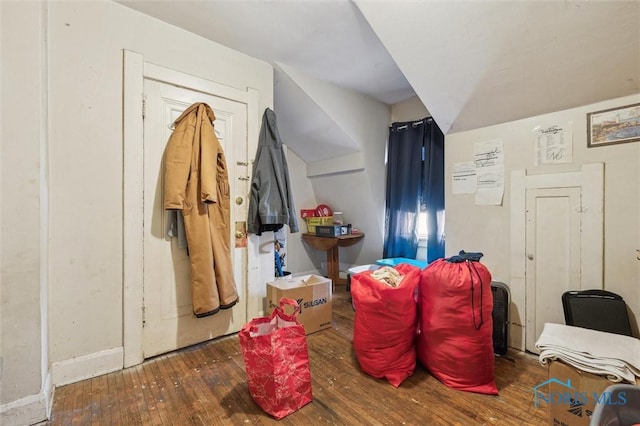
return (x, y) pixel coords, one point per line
(489, 162)
(464, 178)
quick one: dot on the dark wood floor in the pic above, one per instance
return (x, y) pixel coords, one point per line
(206, 385)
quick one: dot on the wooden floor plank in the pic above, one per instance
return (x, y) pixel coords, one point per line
(206, 384)
(193, 406)
(231, 383)
(100, 401)
(63, 404)
(166, 385)
(82, 410)
(204, 410)
(113, 398)
(147, 387)
(163, 393)
(132, 394)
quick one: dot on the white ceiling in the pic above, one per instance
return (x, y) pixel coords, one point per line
(477, 63)
(328, 39)
(472, 63)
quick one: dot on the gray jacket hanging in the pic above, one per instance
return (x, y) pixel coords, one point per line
(271, 203)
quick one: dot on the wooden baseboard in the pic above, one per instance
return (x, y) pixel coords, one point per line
(25, 411)
(87, 366)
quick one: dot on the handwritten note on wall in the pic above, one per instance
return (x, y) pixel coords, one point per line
(464, 178)
(489, 164)
(553, 144)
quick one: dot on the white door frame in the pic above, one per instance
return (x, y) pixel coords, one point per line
(135, 71)
(542, 297)
(591, 179)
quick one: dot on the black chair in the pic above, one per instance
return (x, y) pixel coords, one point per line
(620, 406)
(597, 310)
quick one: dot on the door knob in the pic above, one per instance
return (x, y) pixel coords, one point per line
(239, 200)
(241, 233)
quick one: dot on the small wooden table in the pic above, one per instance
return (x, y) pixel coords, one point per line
(331, 245)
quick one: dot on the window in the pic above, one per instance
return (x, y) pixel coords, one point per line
(422, 226)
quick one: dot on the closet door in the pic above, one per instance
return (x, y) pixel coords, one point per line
(553, 255)
(168, 317)
(557, 230)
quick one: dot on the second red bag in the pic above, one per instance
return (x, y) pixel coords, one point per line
(455, 340)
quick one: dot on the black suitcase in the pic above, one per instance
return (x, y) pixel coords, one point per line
(597, 310)
(500, 315)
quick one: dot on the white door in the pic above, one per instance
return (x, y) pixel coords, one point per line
(553, 250)
(557, 231)
(168, 321)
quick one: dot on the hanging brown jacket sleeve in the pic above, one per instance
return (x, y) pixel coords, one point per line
(208, 155)
(178, 162)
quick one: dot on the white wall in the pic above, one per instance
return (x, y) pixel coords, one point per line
(86, 154)
(298, 260)
(23, 214)
(357, 192)
(487, 228)
(408, 110)
(84, 74)
(361, 195)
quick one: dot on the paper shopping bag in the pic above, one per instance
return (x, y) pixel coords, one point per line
(276, 361)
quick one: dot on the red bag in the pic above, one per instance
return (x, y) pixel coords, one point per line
(455, 341)
(385, 323)
(276, 361)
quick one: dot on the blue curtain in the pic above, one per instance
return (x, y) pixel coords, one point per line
(415, 182)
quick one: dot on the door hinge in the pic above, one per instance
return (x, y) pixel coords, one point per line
(144, 107)
(144, 319)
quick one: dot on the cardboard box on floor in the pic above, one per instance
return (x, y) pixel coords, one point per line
(573, 394)
(312, 292)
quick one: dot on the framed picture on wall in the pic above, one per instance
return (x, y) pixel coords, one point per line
(613, 126)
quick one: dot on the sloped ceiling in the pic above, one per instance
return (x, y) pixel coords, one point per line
(304, 124)
(327, 39)
(475, 64)
(471, 63)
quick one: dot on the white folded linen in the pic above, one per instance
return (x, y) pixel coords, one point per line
(612, 355)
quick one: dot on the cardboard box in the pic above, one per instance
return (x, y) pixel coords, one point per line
(572, 394)
(312, 292)
(329, 231)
